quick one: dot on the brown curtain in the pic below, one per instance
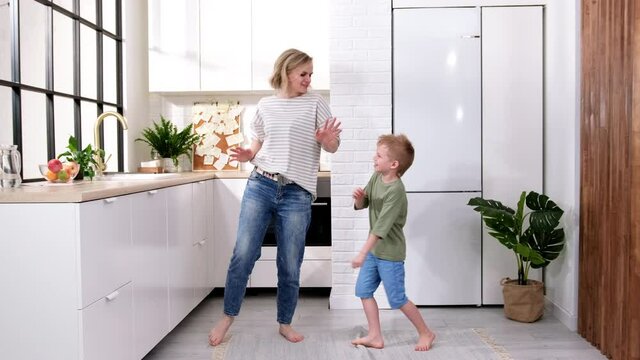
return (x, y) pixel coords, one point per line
(609, 292)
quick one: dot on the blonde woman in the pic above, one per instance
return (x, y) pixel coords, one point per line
(289, 129)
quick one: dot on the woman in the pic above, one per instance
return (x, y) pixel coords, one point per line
(289, 129)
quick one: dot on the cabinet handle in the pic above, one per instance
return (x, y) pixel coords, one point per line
(201, 182)
(202, 242)
(319, 204)
(470, 36)
(112, 296)
(153, 192)
(110, 200)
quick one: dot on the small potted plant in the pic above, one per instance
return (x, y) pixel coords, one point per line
(534, 239)
(85, 158)
(169, 143)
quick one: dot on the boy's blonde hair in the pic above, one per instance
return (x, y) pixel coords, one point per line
(400, 150)
(287, 61)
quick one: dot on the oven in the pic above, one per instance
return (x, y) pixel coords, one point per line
(319, 233)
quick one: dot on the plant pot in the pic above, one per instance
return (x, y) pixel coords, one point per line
(524, 303)
(169, 166)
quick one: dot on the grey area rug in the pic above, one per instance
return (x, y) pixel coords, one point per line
(467, 344)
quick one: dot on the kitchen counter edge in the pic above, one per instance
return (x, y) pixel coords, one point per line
(85, 190)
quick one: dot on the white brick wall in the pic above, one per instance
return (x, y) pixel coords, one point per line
(360, 56)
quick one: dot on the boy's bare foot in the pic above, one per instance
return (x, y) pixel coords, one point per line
(288, 333)
(375, 342)
(216, 335)
(425, 341)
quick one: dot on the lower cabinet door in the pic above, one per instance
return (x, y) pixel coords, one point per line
(107, 327)
(444, 249)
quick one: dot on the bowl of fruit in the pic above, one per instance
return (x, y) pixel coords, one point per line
(56, 171)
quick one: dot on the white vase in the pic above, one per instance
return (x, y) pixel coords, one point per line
(169, 166)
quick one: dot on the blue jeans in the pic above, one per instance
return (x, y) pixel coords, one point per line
(391, 273)
(290, 208)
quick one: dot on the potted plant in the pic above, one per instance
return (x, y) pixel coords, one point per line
(534, 238)
(169, 143)
(85, 158)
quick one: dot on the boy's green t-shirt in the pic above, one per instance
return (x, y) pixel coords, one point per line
(387, 205)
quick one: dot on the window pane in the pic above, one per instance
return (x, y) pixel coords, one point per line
(6, 116)
(5, 42)
(62, 53)
(111, 140)
(89, 114)
(109, 70)
(34, 133)
(88, 10)
(63, 119)
(33, 42)
(88, 73)
(109, 15)
(67, 4)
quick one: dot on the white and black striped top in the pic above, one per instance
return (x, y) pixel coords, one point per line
(286, 128)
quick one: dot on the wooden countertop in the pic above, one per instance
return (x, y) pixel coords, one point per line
(84, 190)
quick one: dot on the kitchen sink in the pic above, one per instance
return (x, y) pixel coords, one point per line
(135, 176)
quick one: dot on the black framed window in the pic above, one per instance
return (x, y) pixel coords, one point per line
(65, 69)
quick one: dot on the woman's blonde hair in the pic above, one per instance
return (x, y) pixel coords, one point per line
(400, 150)
(286, 62)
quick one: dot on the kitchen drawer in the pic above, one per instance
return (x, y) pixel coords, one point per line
(105, 247)
(313, 273)
(107, 327)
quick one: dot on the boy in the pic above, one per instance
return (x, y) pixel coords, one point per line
(382, 256)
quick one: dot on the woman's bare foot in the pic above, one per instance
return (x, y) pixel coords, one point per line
(375, 342)
(216, 335)
(288, 333)
(425, 341)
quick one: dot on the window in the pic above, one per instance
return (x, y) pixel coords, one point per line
(64, 70)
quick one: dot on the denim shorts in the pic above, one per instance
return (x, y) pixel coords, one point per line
(391, 273)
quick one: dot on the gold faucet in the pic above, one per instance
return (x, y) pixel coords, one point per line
(102, 164)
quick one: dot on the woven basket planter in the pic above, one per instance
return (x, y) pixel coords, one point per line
(524, 303)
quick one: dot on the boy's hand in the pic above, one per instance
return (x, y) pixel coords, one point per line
(358, 198)
(241, 154)
(358, 260)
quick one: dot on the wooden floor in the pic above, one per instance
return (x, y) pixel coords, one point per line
(546, 339)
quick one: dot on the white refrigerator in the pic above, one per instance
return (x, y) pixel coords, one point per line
(437, 104)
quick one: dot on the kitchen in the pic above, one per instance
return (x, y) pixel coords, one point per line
(356, 76)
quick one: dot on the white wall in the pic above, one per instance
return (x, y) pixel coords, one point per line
(360, 56)
(136, 81)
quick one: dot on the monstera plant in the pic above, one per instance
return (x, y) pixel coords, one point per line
(533, 236)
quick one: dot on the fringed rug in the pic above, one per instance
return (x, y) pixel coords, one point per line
(467, 344)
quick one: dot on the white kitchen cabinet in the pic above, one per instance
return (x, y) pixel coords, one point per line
(108, 327)
(225, 45)
(180, 246)
(444, 250)
(209, 45)
(474, 113)
(174, 45)
(150, 269)
(57, 283)
(437, 96)
(315, 271)
(306, 28)
(201, 241)
(105, 246)
(228, 195)
(512, 138)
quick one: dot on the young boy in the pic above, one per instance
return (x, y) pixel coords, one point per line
(382, 256)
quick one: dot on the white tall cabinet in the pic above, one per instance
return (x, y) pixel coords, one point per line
(512, 123)
(467, 89)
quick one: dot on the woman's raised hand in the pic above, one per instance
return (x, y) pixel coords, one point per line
(327, 135)
(241, 154)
